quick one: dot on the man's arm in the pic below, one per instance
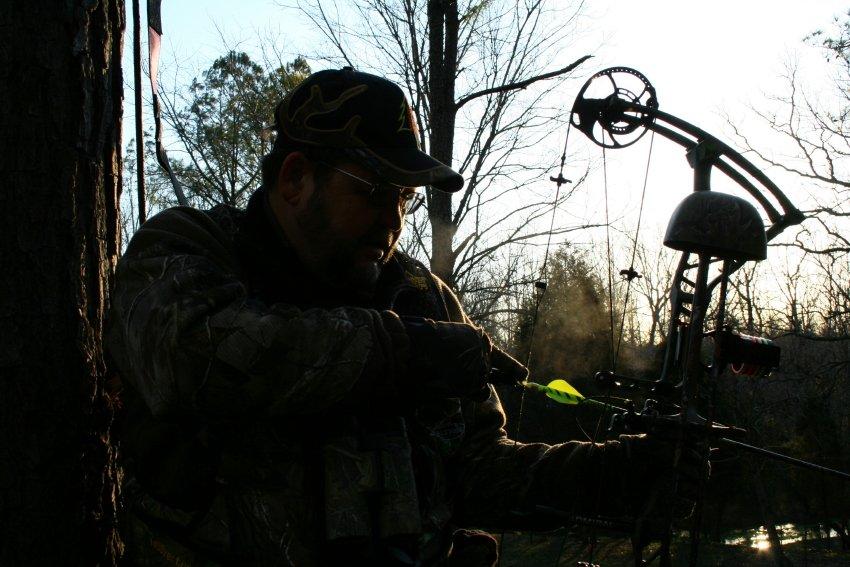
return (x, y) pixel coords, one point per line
(498, 480)
(188, 338)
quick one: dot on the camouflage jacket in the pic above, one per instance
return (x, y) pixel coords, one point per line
(261, 424)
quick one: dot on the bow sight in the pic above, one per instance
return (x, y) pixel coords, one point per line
(716, 233)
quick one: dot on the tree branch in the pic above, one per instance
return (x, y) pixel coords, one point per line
(521, 84)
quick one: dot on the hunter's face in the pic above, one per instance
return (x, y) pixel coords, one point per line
(343, 234)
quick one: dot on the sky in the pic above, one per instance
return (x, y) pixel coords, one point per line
(705, 59)
(699, 55)
(703, 55)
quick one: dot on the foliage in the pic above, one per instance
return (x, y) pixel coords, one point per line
(837, 42)
(221, 121)
(572, 331)
(571, 340)
(802, 409)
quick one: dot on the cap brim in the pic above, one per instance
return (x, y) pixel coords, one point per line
(412, 168)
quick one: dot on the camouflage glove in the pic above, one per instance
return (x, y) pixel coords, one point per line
(454, 360)
(505, 369)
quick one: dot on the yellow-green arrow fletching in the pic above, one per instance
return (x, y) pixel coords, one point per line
(560, 391)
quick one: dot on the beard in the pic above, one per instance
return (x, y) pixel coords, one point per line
(337, 261)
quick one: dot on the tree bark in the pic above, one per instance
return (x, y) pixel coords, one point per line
(442, 53)
(60, 131)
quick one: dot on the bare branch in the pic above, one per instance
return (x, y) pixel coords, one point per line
(521, 84)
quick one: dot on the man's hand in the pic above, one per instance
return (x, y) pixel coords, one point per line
(454, 360)
(505, 369)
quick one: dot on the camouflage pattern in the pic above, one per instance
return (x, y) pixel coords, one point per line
(261, 422)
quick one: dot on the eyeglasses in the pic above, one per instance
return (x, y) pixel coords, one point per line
(382, 191)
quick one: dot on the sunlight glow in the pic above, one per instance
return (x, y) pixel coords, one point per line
(760, 539)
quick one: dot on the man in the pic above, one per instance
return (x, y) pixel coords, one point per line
(298, 392)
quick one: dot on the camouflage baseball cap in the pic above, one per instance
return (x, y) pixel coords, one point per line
(369, 119)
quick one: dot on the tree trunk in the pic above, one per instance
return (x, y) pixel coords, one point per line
(442, 52)
(60, 131)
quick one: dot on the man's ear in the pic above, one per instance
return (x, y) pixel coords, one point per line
(291, 183)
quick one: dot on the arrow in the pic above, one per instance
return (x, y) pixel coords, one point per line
(564, 393)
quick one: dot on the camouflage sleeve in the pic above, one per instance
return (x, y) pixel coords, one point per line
(187, 337)
(498, 481)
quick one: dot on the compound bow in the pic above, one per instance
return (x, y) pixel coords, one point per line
(708, 228)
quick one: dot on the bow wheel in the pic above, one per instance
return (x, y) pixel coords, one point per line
(614, 106)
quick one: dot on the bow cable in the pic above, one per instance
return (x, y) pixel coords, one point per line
(540, 290)
(604, 413)
(630, 274)
(609, 257)
(615, 345)
(540, 284)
